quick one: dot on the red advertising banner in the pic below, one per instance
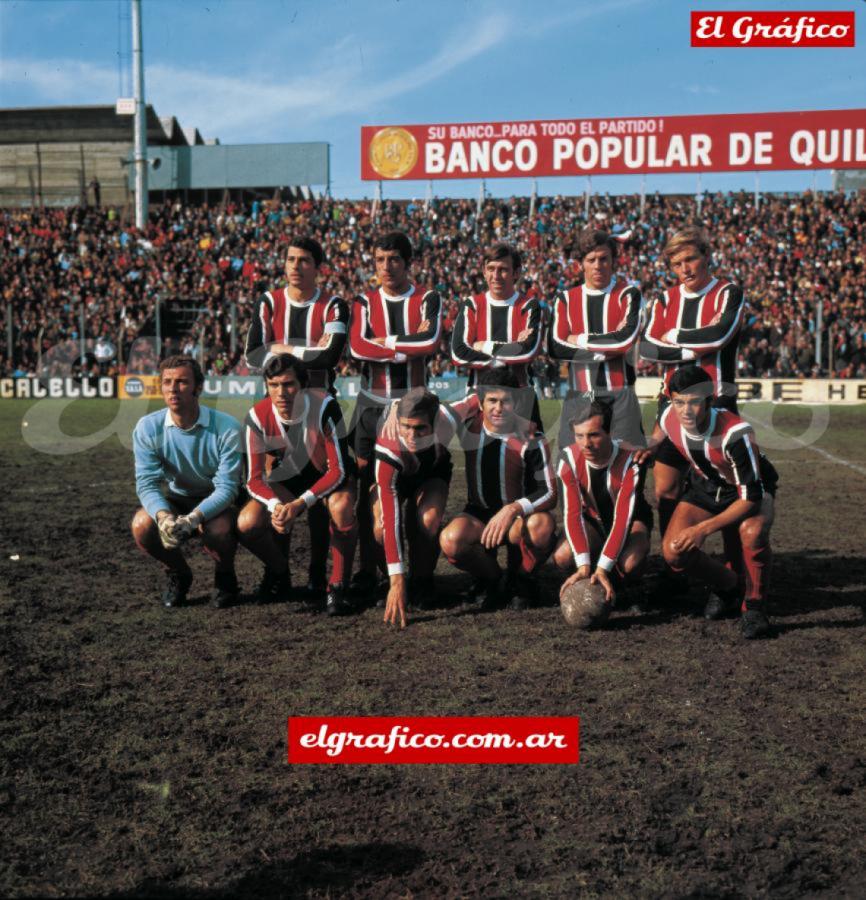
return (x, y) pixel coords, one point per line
(773, 29)
(751, 142)
(433, 739)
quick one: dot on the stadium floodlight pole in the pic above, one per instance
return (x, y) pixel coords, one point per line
(140, 153)
(532, 198)
(428, 199)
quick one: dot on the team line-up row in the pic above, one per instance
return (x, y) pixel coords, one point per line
(709, 475)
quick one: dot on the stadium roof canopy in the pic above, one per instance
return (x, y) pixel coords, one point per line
(86, 124)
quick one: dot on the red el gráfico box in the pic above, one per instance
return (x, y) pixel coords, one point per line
(772, 29)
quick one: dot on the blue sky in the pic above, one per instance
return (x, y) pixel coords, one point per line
(283, 70)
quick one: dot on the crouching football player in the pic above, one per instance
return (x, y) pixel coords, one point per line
(297, 457)
(412, 469)
(731, 489)
(608, 521)
(511, 489)
(187, 475)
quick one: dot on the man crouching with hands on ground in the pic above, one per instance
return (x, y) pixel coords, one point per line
(187, 474)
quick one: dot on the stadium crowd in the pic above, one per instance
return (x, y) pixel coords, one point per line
(789, 253)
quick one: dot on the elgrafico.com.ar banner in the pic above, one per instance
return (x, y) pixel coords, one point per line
(828, 139)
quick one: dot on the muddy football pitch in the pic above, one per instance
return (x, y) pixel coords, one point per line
(144, 750)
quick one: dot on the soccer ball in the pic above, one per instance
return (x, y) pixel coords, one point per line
(584, 605)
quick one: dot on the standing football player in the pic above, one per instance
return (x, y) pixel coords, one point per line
(395, 329)
(500, 328)
(298, 457)
(187, 475)
(595, 326)
(301, 320)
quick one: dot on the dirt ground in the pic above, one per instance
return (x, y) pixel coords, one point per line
(144, 750)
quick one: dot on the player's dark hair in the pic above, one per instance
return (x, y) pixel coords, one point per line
(419, 403)
(395, 240)
(503, 251)
(311, 245)
(591, 239)
(497, 379)
(285, 362)
(595, 408)
(688, 378)
(180, 362)
(691, 235)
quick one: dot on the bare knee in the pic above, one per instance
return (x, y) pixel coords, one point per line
(673, 557)
(452, 542)
(540, 528)
(220, 529)
(563, 557)
(430, 521)
(752, 534)
(142, 526)
(342, 510)
(253, 519)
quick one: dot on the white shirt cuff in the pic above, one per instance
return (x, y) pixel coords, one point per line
(395, 569)
(391, 341)
(689, 354)
(606, 563)
(497, 364)
(309, 498)
(272, 504)
(582, 559)
(525, 505)
(582, 341)
(488, 347)
(400, 357)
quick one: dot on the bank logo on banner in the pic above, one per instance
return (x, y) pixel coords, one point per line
(773, 29)
(134, 387)
(393, 152)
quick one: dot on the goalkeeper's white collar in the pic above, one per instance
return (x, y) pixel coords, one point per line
(203, 419)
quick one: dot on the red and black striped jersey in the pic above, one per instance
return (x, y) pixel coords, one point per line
(498, 324)
(397, 467)
(392, 368)
(607, 493)
(506, 468)
(607, 325)
(316, 438)
(725, 454)
(698, 329)
(302, 324)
